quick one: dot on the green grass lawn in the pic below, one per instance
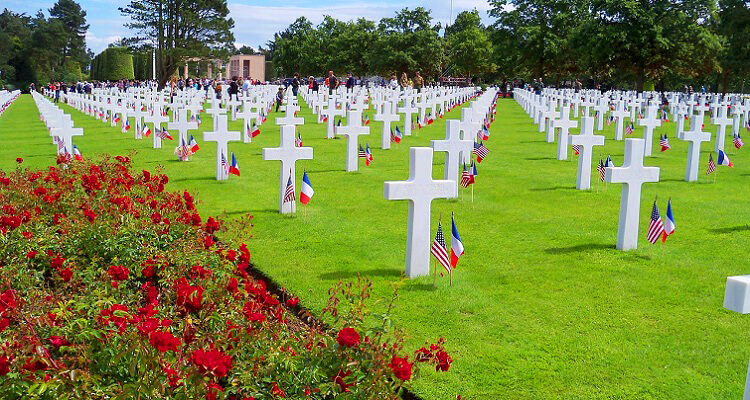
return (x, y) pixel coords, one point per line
(542, 306)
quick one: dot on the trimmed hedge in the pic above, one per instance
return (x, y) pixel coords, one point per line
(114, 63)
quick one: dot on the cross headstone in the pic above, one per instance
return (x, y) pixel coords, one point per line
(452, 145)
(288, 153)
(721, 121)
(408, 110)
(289, 118)
(632, 175)
(66, 132)
(469, 130)
(586, 140)
(650, 121)
(386, 117)
(737, 299)
(222, 136)
(216, 111)
(182, 125)
(619, 113)
(157, 118)
(420, 189)
(695, 136)
(352, 131)
(331, 112)
(564, 124)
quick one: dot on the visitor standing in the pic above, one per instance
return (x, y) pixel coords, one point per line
(295, 84)
(418, 82)
(333, 82)
(279, 98)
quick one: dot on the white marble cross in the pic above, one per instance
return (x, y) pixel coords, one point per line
(469, 130)
(247, 115)
(619, 113)
(138, 119)
(386, 117)
(288, 153)
(650, 121)
(216, 111)
(222, 137)
(352, 131)
(452, 145)
(289, 118)
(420, 189)
(695, 136)
(721, 121)
(331, 112)
(564, 124)
(66, 132)
(408, 110)
(157, 118)
(737, 299)
(632, 175)
(586, 140)
(182, 125)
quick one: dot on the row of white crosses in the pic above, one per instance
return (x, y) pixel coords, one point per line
(632, 175)
(59, 124)
(421, 189)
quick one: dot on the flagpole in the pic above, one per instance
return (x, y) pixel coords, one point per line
(472, 193)
(451, 276)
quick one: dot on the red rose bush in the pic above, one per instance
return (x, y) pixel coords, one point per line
(113, 287)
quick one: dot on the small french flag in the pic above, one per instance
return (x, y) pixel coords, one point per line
(77, 153)
(146, 130)
(307, 190)
(193, 144)
(457, 247)
(723, 159)
(234, 168)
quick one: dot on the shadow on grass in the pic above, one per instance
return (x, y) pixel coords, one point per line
(552, 188)
(579, 248)
(539, 158)
(422, 287)
(382, 272)
(532, 141)
(732, 229)
(322, 171)
(672, 180)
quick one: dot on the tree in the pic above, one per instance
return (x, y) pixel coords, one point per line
(469, 48)
(73, 19)
(180, 29)
(733, 26)
(407, 42)
(287, 47)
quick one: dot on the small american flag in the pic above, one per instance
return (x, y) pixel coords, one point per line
(289, 193)
(664, 143)
(577, 149)
(439, 250)
(602, 170)
(164, 134)
(480, 151)
(224, 164)
(298, 140)
(610, 119)
(60, 142)
(738, 141)
(655, 227)
(630, 129)
(711, 165)
(465, 178)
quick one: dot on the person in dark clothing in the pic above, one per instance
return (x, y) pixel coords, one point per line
(234, 89)
(295, 84)
(279, 98)
(314, 85)
(333, 82)
(349, 81)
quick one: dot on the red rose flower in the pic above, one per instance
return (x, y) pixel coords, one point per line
(401, 368)
(276, 391)
(4, 365)
(118, 272)
(4, 322)
(57, 262)
(32, 254)
(164, 341)
(191, 297)
(348, 337)
(66, 274)
(444, 361)
(211, 362)
(19, 160)
(292, 302)
(28, 235)
(339, 380)
(58, 341)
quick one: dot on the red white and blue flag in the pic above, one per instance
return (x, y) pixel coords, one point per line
(669, 225)
(146, 130)
(368, 152)
(466, 178)
(193, 144)
(363, 154)
(439, 250)
(664, 143)
(576, 149)
(298, 140)
(723, 159)
(234, 168)
(738, 143)
(655, 227)
(306, 192)
(457, 247)
(77, 153)
(289, 192)
(163, 134)
(480, 151)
